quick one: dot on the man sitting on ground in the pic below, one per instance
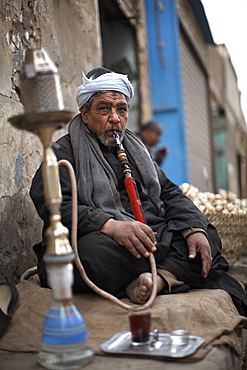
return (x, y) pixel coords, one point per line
(113, 246)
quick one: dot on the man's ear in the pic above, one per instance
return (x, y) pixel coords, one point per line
(84, 113)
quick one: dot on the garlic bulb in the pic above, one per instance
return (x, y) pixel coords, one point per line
(225, 202)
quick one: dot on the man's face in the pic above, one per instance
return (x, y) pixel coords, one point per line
(151, 137)
(108, 113)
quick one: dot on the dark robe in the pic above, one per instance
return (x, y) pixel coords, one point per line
(110, 265)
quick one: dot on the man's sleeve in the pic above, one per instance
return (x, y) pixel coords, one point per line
(181, 212)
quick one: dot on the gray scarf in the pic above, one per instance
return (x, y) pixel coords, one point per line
(96, 180)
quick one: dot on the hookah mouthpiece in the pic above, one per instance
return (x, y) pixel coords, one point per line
(117, 139)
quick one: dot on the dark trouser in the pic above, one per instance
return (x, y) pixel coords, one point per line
(111, 267)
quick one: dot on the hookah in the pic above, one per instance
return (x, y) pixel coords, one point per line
(64, 335)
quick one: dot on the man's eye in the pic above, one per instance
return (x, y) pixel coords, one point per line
(123, 110)
(103, 109)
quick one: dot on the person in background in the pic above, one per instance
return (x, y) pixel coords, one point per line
(150, 134)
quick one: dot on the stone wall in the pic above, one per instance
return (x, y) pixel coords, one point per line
(69, 31)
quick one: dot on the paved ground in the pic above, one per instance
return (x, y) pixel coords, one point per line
(215, 360)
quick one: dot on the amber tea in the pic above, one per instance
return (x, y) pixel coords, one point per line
(140, 324)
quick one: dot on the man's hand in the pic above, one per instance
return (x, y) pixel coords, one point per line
(198, 243)
(135, 236)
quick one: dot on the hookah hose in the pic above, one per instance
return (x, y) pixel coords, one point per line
(137, 210)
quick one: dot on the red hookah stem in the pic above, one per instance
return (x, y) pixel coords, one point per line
(134, 200)
(129, 181)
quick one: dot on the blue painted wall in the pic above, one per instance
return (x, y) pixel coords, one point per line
(165, 83)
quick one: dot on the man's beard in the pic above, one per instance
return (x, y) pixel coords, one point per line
(107, 142)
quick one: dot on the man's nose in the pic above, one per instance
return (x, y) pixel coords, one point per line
(114, 116)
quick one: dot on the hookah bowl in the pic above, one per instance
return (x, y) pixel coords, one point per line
(64, 336)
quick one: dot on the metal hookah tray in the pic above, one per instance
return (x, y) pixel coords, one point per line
(120, 343)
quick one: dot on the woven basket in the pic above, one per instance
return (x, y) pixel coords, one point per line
(232, 229)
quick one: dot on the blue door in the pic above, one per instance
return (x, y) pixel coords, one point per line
(165, 83)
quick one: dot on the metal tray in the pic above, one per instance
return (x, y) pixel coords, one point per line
(120, 343)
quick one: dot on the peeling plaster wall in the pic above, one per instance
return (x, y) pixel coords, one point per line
(69, 32)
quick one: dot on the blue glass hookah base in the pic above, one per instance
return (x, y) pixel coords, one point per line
(64, 327)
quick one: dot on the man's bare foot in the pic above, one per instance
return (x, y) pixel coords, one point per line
(140, 289)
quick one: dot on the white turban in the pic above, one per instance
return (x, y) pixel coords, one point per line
(108, 81)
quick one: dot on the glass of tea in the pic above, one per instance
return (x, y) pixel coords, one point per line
(140, 325)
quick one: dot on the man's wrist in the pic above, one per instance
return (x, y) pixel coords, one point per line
(192, 230)
(107, 224)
